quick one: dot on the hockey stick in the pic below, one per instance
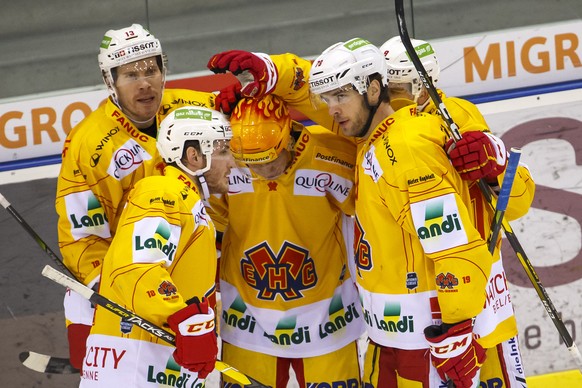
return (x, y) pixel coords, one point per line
(511, 237)
(32, 360)
(4, 202)
(542, 294)
(503, 197)
(47, 364)
(131, 317)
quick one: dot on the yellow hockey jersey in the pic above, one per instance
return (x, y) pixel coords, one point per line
(102, 158)
(497, 321)
(285, 287)
(417, 247)
(162, 255)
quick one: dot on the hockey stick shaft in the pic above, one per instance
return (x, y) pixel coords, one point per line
(131, 317)
(424, 77)
(542, 293)
(511, 237)
(4, 202)
(503, 197)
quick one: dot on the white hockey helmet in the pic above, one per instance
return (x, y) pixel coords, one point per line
(191, 123)
(119, 47)
(400, 67)
(344, 63)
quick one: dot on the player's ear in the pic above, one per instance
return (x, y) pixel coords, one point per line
(194, 158)
(374, 91)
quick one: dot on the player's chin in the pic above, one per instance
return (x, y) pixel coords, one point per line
(347, 129)
(219, 188)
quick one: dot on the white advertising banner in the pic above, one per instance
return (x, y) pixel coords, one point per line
(38, 127)
(511, 59)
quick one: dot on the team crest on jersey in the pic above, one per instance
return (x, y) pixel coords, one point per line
(239, 181)
(86, 215)
(285, 273)
(438, 223)
(167, 289)
(362, 248)
(126, 159)
(371, 165)
(154, 240)
(299, 79)
(446, 282)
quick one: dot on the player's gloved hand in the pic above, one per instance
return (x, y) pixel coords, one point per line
(196, 346)
(255, 71)
(454, 352)
(477, 155)
(227, 98)
(77, 334)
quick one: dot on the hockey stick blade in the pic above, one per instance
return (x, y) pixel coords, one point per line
(87, 293)
(47, 364)
(503, 198)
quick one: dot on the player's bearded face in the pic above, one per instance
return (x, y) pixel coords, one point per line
(347, 108)
(140, 85)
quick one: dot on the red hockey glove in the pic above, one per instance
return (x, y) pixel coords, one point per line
(77, 334)
(455, 353)
(196, 346)
(259, 65)
(227, 98)
(478, 155)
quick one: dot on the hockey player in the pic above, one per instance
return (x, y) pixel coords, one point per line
(496, 325)
(162, 263)
(423, 286)
(287, 297)
(107, 153)
(417, 245)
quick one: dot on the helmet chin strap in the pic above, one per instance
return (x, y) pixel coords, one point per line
(372, 111)
(427, 100)
(200, 175)
(203, 186)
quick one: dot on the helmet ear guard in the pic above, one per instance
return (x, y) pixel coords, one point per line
(400, 68)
